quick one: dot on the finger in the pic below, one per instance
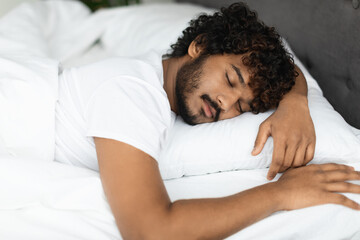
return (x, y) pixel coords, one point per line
(289, 158)
(344, 187)
(310, 151)
(261, 138)
(277, 160)
(342, 175)
(334, 166)
(342, 200)
(299, 159)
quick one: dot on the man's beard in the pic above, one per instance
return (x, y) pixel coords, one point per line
(187, 81)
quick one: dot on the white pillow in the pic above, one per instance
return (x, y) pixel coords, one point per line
(226, 145)
(137, 29)
(28, 92)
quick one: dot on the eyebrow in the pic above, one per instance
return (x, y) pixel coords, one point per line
(238, 72)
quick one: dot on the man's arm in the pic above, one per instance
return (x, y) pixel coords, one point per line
(292, 129)
(143, 210)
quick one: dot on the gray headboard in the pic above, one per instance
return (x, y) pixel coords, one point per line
(325, 35)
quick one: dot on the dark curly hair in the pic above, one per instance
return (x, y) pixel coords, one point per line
(237, 30)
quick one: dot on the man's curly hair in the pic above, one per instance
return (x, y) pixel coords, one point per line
(237, 30)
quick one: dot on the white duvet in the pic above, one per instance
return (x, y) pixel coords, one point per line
(42, 199)
(56, 201)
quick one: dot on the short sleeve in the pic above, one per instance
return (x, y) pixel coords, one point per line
(129, 110)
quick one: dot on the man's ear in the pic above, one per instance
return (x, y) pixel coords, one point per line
(196, 47)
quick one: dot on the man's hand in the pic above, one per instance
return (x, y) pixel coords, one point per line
(317, 184)
(292, 130)
(294, 136)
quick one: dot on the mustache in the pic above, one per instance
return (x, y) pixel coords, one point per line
(213, 104)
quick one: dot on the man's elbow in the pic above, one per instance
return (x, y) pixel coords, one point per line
(154, 228)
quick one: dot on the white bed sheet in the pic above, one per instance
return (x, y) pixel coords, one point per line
(55, 201)
(49, 200)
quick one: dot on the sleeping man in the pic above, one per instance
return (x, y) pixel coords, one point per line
(113, 116)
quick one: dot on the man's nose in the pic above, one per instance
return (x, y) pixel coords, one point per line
(226, 102)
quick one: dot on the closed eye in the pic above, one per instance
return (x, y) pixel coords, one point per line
(227, 77)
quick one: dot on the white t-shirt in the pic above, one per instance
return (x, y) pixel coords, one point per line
(117, 98)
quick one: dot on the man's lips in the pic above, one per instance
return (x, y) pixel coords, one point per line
(209, 111)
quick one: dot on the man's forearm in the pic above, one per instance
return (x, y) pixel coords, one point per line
(219, 218)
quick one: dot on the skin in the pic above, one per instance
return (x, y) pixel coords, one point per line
(142, 207)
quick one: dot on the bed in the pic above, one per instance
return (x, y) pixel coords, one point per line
(44, 199)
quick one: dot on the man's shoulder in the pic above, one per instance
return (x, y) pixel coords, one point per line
(146, 67)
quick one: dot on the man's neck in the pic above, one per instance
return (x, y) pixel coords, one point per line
(171, 67)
